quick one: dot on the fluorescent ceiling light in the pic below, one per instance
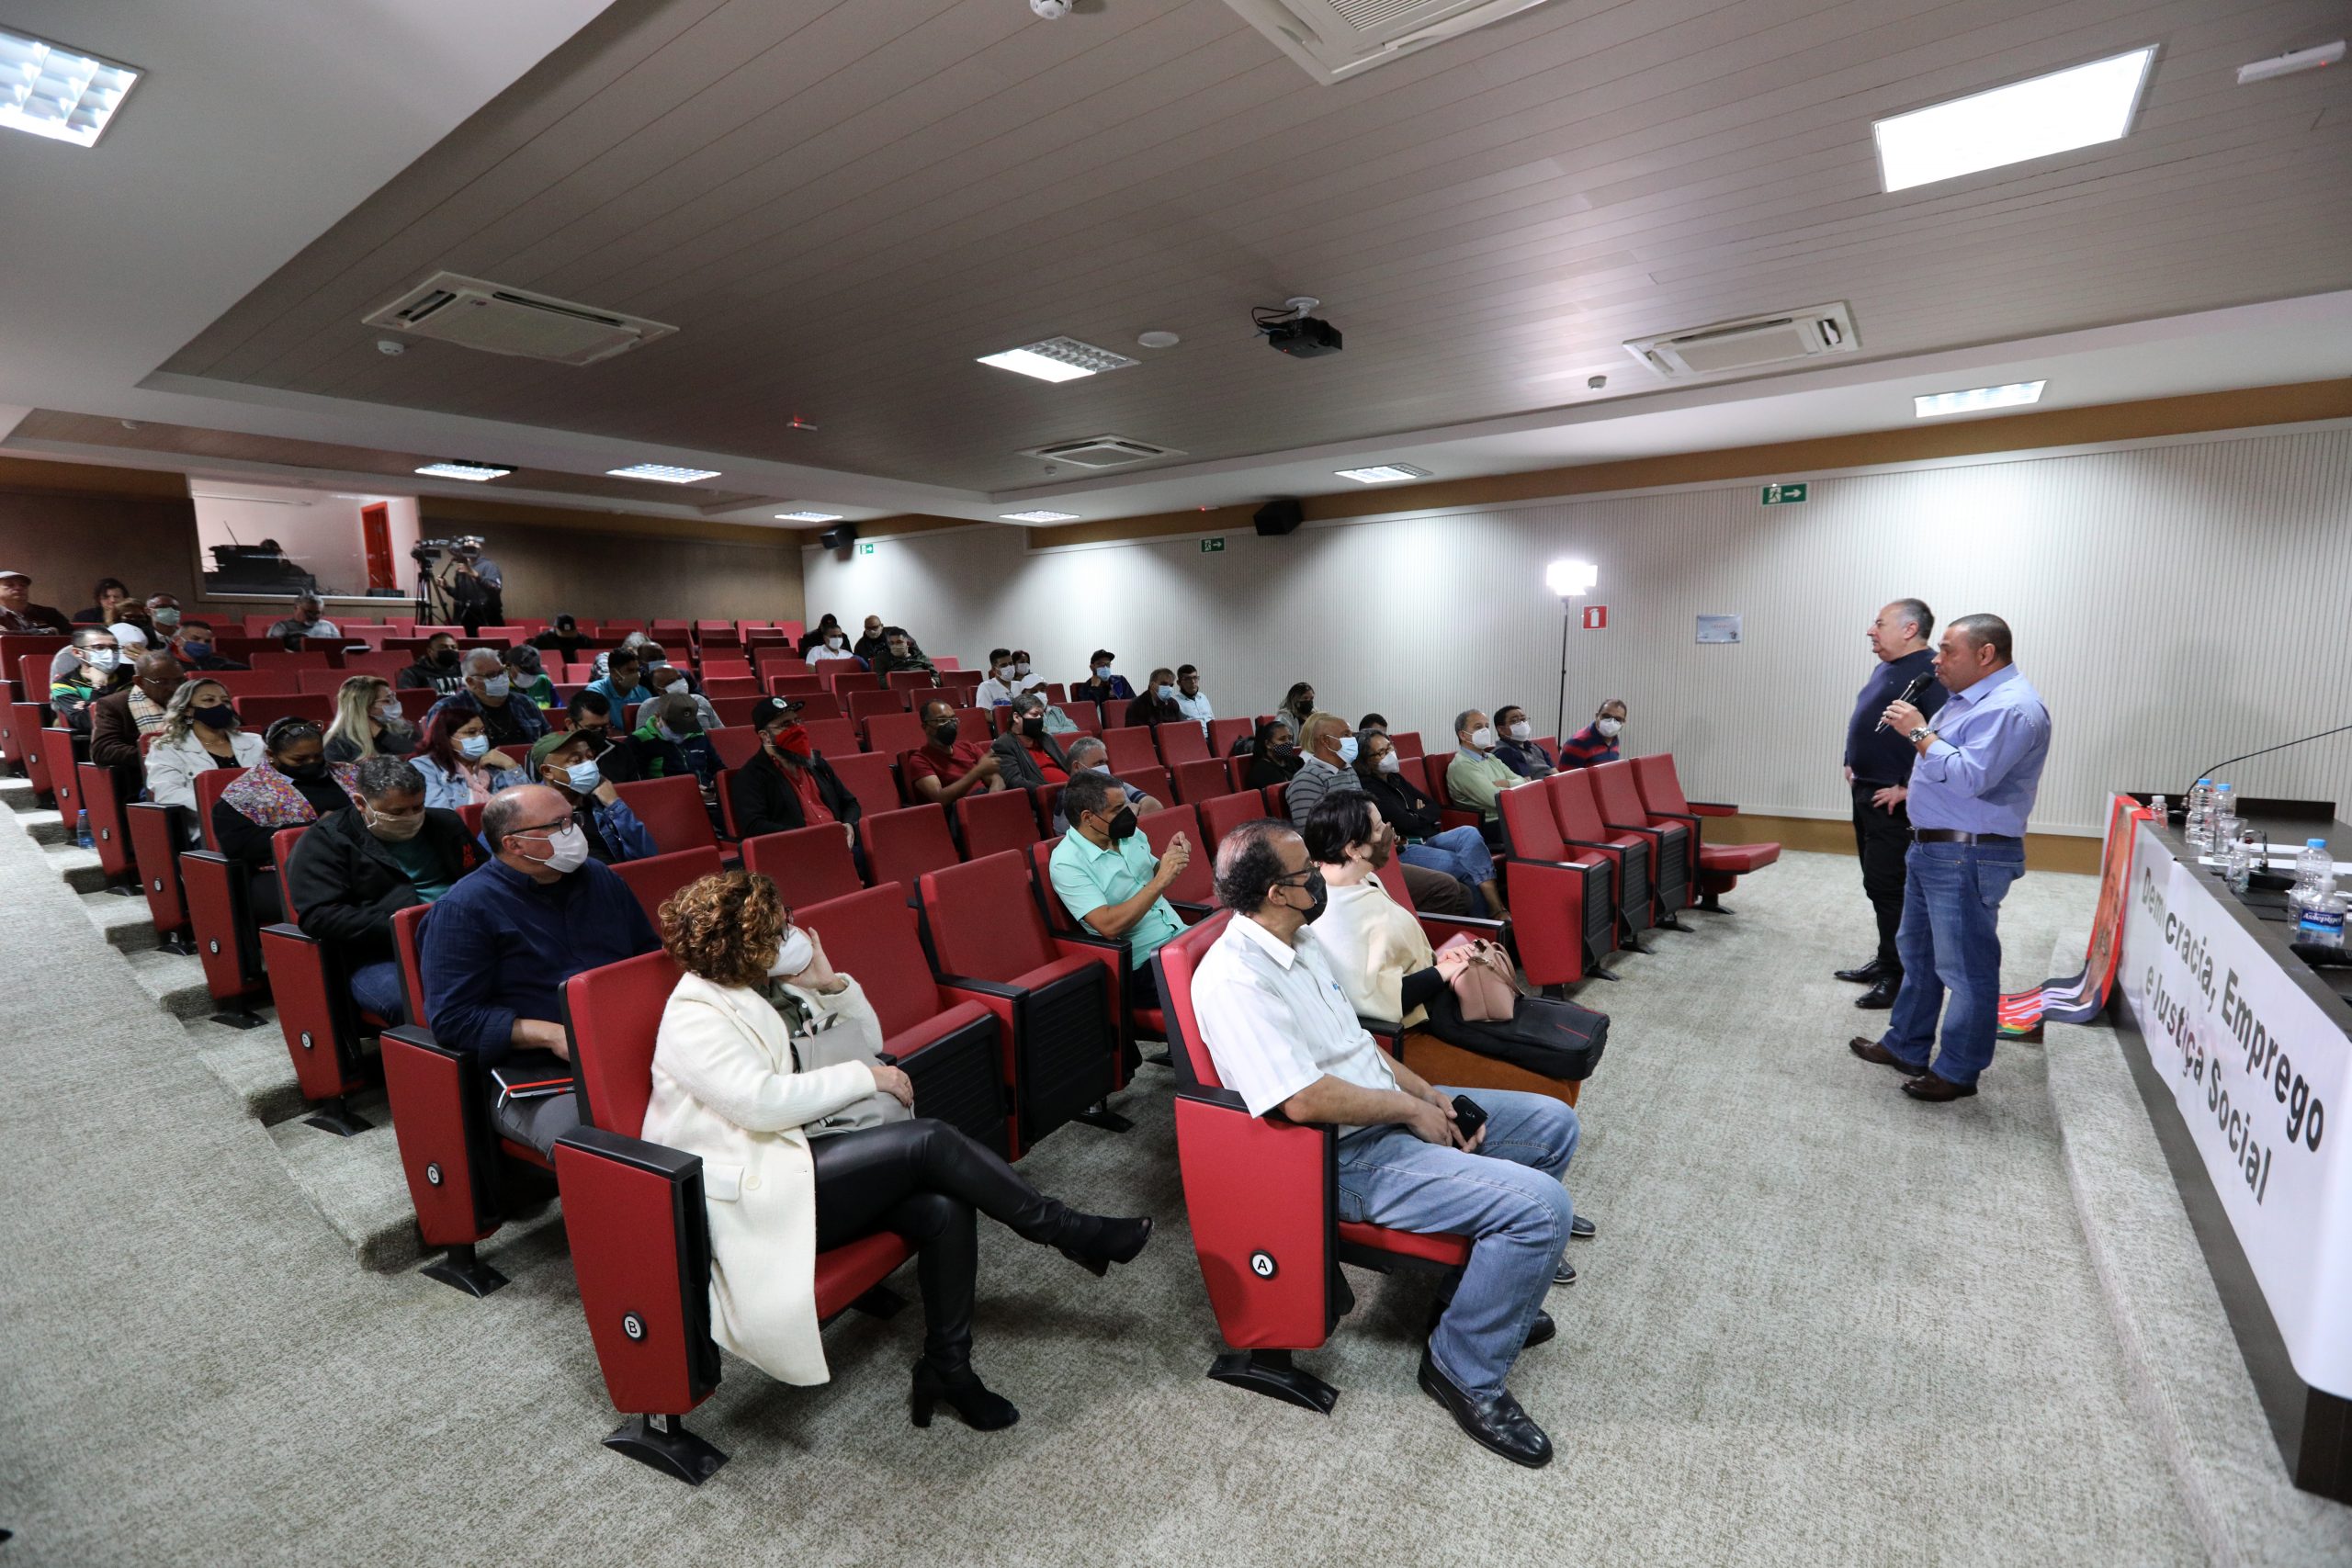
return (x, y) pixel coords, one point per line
(1977, 399)
(476, 472)
(1040, 516)
(808, 516)
(663, 473)
(2080, 107)
(1058, 359)
(58, 93)
(1382, 473)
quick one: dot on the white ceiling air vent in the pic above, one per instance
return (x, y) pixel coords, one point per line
(1335, 39)
(1101, 452)
(1755, 344)
(499, 320)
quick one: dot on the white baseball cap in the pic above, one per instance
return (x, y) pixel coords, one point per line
(25, 575)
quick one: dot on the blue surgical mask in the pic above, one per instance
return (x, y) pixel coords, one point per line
(474, 745)
(197, 649)
(1347, 750)
(1165, 693)
(496, 686)
(584, 776)
(1101, 671)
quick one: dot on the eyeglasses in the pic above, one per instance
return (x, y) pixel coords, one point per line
(555, 827)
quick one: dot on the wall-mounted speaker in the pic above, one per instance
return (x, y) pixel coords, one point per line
(840, 537)
(1279, 517)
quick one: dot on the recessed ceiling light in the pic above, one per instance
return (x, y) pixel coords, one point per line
(476, 472)
(1040, 516)
(2080, 107)
(1058, 359)
(1382, 473)
(1158, 340)
(663, 473)
(808, 516)
(1977, 399)
(58, 93)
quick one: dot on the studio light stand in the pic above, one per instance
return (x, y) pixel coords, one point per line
(1569, 580)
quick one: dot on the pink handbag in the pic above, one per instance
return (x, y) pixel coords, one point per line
(1487, 988)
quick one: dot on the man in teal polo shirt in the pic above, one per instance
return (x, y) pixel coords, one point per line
(1104, 872)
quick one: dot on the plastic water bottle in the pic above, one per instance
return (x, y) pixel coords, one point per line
(2156, 805)
(82, 830)
(2237, 861)
(2319, 910)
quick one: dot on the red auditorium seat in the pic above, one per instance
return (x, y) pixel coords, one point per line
(672, 811)
(1562, 912)
(1138, 994)
(1434, 782)
(1086, 716)
(1670, 841)
(815, 706)
(109, 834)
(1577, 816)
(1193, 892)
(717, 686)
(220, 913)
(865, 705)
(992, 823)
(158, 833)
(1180, 742)
(1225, 732)
(58, 761)
(888, 734)
(809, 865)
(656, 877)
(322, 1024)
(734, 712)
(903, 844)
(733, 745)
(1130, 748)
(909, 682)
(1060, 1000)
(1719, 866)
(1407, 743)
(847, 684)
(1202, 780)
(787, 677)
(832, 738)
(870, 776)
(1151, 780)
(308, 659)
(1261, 1196)
(1222, 814)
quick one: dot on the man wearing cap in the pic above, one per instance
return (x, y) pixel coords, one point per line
(790, 784)
(1100, 685)
(20, 614)
(566, 762)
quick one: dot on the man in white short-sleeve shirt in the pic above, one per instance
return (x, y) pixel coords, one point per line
(1284, 1037)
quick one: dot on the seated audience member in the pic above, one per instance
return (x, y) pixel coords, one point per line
(511, 722)
(1378, 721)
(563, 636)
(668, 742)
(20, 614)
(828, 645)
(95, 669)
(1460, 854)
(163, 617)
(502, 943)
(669, 680)
(1273, 754)
(437, 668)
(194, 647)
(367, 722)
(869, 642)
(1028, 757)
(1003, 685)
(1378, 951)
(199, 733)
(1025, 676)
(620, 682)
(1105, 875)
(109, 596)
(121, 717)
(528, 676)
(1157, 704)
(589, 714)
(1191, 701)
(1597, 743)
(788, 784)
(293, 784)
(1297, 706)
(356, 870)
(833, 1144)
(131, 641)
(1101, 685)
(1089, 754)
(1476, 775)
(1515, 744)
(309, 620)
(570, 763)
(459, 765)
(1328, 757)
(901, 652)
(823, 627)
(950, 764)
(636, 642)
(1280, 1029)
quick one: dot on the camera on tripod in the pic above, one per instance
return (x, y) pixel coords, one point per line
(466, 547)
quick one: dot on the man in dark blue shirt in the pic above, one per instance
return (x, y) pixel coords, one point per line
(500, 945)
(1878, 771)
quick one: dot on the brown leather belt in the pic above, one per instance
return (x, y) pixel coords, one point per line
(1954, 836)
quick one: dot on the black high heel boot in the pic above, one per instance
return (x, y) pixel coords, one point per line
(963, 1393)
(1094, 1241)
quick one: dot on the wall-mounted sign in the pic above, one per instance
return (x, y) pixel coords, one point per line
(1719, 628)
(866, 546)
(1783, 495)
(1596, 618)
(1211, 546)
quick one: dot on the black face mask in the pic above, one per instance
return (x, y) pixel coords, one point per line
(447, 659)
(945, 734)
(1315, 889)
(1123, 826)
(1032, 727)
(215, 716)
(306, 772)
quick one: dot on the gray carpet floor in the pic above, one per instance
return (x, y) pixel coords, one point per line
(1822, 1323)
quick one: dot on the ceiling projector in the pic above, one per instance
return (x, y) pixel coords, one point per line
(1304, 337)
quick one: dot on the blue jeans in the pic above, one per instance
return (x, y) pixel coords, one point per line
(1950, 940)
(1461, 855)
(1506, 1196)
(376, 987)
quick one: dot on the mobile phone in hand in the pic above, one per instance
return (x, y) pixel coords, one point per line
(1468, 1116)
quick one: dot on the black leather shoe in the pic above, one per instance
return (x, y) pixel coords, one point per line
(1582, 1229)
(1936, 1091)
(962, 1391)
(1881, 996)
(1566, 1274)
(1869, 1050)
(1866, 975)
(1494, 1423)
(1542, 1329)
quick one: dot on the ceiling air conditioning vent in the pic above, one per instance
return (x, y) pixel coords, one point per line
(498, 319)
(1101, 452)
(1335, 39)
(1756, 344)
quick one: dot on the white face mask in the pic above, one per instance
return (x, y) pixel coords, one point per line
(473, 745)
(1388, 762)
(1004, 672)
(1020, 667)
(834, 639)
(794, 954)
(1347, 750)
(1483, 738)
(101, 660)
(1102, 768)
(1608, 727)
(675, 688)
(567, 851)
(496, 686)
(1521, 730)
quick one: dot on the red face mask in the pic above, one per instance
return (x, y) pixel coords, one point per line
(793, 737)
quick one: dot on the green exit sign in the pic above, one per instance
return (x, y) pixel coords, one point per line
(1783, 495)
(1211, 546)
(866, 546)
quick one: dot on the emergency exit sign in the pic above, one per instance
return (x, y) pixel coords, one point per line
(1783, 495)
(1596, 618)
(866, 546)
(1211, 546)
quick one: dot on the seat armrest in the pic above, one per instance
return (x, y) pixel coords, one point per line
(1615, 851)
(1391, 1035)
(634, 1213)
(1223, 1099)
(980, 988)
(1713, 808)
(658, 1159)
(1191, 913)
(1439, 929)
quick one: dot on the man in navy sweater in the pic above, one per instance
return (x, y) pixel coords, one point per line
(500, 945)
(1878, 771)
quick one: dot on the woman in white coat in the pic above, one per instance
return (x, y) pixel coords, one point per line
(807, 1144)
(200, 733)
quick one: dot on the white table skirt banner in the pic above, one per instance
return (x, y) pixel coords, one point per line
(2264, 1079)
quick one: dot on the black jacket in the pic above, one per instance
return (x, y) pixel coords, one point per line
(1149, 709)
(423, 676)
(1412, 813)
(1020, 763)
(348, 886)
(1266, 770)
(765, 802)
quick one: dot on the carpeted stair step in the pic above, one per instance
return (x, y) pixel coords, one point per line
(356, 1183)
(175, 980)
(252, 1066)
(123, 918)
(78, 868)
(16, 793)
(46, 825)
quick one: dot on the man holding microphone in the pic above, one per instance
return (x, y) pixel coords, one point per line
(1878, 767)
(1973, 783)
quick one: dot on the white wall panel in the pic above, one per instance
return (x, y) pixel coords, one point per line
(2173, 604)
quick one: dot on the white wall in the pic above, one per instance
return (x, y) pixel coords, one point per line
(318, 529)
(2174, 605)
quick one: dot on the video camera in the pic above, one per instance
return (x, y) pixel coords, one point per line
(466, 547)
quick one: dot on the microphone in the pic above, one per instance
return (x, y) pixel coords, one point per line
(1919, 684)
(2208, 772)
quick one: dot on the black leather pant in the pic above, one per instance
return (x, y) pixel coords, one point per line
(1883, 838)
(925, 1180)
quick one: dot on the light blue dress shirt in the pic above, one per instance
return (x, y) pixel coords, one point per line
(1980, 773)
